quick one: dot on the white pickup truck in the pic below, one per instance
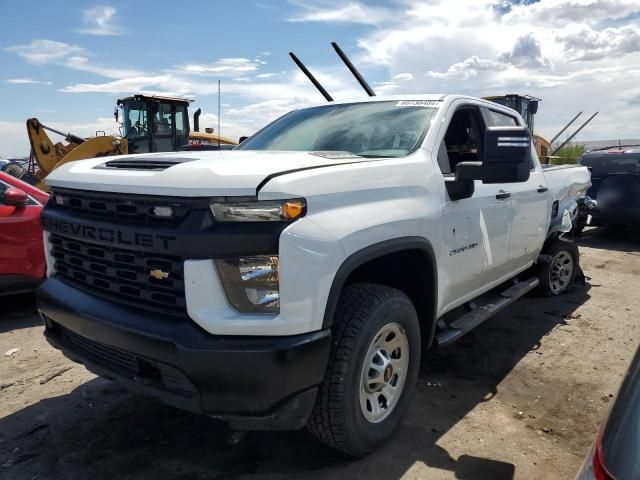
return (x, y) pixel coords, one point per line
(296, 279)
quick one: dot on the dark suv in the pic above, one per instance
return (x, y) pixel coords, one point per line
(615, 178)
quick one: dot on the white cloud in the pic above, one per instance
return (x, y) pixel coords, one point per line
(469, 68)
(51, 52)
(85, 65)
(328, 12)
(222, 66)
(403, 76)
(559, 13)
(291, 86)
(100, 20)
(13, 138)
(151, 84)
(526, 53)
(583, 43)
(42, 52)
(26, 81)
(574, 54)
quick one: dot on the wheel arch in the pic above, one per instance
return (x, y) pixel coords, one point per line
(392, 257)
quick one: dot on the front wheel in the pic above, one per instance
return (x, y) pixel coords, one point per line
(372, 370)
(557, 274)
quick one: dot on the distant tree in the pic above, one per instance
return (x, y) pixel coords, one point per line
(568, 154)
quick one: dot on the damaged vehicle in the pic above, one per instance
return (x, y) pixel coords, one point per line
(295, 280)
(614, 197)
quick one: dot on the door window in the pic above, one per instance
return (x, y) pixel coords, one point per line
(162, 128)
(181, 126)
(162, 120)
(462, 141)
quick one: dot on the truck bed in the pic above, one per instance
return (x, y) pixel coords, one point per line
(567, 182)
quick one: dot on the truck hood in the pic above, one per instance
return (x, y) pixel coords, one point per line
(190, 174)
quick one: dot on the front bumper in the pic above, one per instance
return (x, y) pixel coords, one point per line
(251, 382)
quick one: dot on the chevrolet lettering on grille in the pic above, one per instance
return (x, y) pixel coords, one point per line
(104, 234)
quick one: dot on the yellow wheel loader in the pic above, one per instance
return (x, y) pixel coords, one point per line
(527, 107)
(147, 124)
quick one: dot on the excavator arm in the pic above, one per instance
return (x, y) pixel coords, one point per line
(50, 156)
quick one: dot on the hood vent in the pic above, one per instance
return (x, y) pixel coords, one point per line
(138, 164)
(144, 163)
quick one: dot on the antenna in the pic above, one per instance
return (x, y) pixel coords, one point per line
(310, 76)
(218, 113)
(353, 70)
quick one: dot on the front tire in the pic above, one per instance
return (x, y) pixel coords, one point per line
(372, 370)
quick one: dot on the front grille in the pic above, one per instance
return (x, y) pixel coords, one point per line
(120, 274)
(124, 207)
(129, 365)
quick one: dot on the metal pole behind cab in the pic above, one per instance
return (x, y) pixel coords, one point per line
(563, 129)
(573, 134)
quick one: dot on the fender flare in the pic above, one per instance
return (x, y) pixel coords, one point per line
(360, 257)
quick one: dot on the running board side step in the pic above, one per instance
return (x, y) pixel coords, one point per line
(470, 320)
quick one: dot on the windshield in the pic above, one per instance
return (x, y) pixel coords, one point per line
(372, 129)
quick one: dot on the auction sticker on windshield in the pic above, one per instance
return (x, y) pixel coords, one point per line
(418, 103)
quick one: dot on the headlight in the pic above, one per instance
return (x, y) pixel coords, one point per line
(259, 211)
(251, 284)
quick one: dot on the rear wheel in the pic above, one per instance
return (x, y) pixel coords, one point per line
(557, 274)
(372, 369)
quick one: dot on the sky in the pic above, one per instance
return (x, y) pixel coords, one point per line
(67, 63)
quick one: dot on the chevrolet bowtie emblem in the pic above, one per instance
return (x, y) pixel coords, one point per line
(159, 274)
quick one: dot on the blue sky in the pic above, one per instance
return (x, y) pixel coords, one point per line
(69, 63)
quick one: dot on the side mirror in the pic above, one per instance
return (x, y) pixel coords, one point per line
(533, 107)
(242, 139)
(14, 197)
(115, 114)
(506, 157)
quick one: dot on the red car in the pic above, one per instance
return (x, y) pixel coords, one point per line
(22, 261)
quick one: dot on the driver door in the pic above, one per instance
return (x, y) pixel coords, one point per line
(476, 242)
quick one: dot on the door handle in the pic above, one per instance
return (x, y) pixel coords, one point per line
(502, 195)
(542, 189)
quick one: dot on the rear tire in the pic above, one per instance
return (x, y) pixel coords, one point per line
(557, 275)
(372, 370)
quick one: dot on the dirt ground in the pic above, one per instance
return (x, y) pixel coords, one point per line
(520, 397)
